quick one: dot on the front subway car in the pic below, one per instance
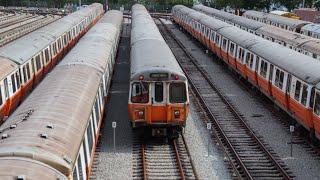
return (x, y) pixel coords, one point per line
(158, 98)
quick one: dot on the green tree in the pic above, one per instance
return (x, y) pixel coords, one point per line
(290, 4)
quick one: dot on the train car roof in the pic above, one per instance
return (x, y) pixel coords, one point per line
(63, 100)
(293, 23)
(60, 107)
(248, 23)
(153, 56)
(304, 67)
(260, 15)
(6, 67)
(149, 51)
(251, 24)
(289, 37)
(24, 48)
(15, 167)
(315, 28)
(312, 46)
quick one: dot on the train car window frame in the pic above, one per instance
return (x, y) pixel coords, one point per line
(304, 95)
(183, 94)
(1, 98)
(217, 40)
(38, 62)
(6, 88)
(18, 79)
(28, 70)
(281, 77)
(224, 44)
(13, 83)
(33, 65)
(25, 78)
(316, 106)
(158, 92)
(297, 90)
(232, 48)
(263, 68)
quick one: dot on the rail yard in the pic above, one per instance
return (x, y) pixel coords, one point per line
(193, 93)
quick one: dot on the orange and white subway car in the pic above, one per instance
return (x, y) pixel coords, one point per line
(158, 96)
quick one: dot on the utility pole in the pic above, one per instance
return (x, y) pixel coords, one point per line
(79, 4)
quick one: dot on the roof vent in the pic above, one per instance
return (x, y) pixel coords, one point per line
(24, 118)
(50, 126)
(21, 177)
(4, 136)
(13, 126)
(67, 159)
(44, 135)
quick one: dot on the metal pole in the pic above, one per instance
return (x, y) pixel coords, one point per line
(114, 139)
(291, 144)
(79, 4)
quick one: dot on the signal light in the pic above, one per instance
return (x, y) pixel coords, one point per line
(176, 77)
(141, 77)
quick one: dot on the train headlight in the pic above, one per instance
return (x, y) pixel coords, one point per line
(176, 114)
(139, 114)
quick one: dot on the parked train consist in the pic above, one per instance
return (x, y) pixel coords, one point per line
(25, 61)
(295, 25)
(158, 98)
(298, 42)
(288, 78)
(56, 129)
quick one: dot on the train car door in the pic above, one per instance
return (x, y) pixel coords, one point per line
(158, 101)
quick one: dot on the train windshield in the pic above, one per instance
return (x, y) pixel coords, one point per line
(178, 93)
(140, 92)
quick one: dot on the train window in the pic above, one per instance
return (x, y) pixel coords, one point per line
(224, 43)
(140, 92)
(231, 49)
(13, 80)
(212, 36)
(314, 55)
(304, 95)
(158, 91)
(178, 93)
(271, 72)
(90, 137)
(97, 111)
(46, 54)
(241, 54)
(38, 63)
(28, 71)
(85, 152)
(297, 91)
(257, 63)
(80, 167)
(18, 80)
(1, 96)
(33, 65)
(24, 74)
(6, 90)
(217, 40)
(249, 59)
(279, 79)
(317, 104)
(75, 173)
(42, 59)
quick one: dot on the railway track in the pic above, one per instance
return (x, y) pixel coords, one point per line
(158, 159)
(249, 157)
